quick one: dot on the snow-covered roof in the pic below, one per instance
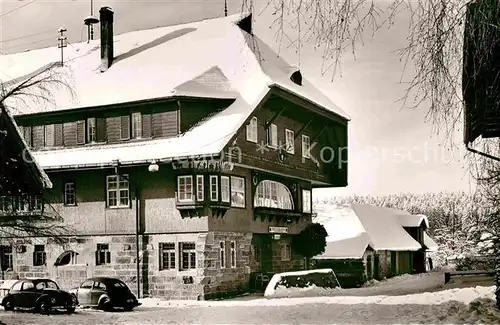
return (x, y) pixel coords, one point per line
(27, 154)
(413, 220)
(160, 63)
(431, 245)
(381, 225)
(349, 248)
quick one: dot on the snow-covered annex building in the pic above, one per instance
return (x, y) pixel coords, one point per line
(388, 241)
(196, 140)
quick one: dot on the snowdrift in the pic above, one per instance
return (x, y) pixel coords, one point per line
(320, 282)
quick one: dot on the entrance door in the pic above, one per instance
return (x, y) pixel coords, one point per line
(393, 263)
(266, 254)
(376, 267)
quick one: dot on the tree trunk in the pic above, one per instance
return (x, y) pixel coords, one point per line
(496, 247)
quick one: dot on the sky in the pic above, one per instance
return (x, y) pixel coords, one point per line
(391, 149)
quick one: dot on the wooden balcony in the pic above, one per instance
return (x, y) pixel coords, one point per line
(196, 208)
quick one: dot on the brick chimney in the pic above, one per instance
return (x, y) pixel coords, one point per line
(106, 17)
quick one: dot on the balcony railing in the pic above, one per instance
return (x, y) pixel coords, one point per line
(21, 205)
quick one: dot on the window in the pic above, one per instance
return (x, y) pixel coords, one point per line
(102, 254)
(7, 257)
(28, 286)
(214, 188)
(39, 255)
(124, 127)
(233, 254)
(80, 132)
(286, 252)
(167, 256)
(118, 191)
(185, 188)
(306, 201)
(28, 135)
(222, 254)
(272, 136)
(87, 284)
(49, 135)
(188, 256)
(272, 194)
(99, 285)
(17, 287)
(225, 189)
(289, 141)
(252, 130)
(69, 193)
(237, 192)
(306, 146)
(136, 125)
(200, 190)
(91, 130)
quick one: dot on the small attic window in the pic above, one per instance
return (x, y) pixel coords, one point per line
(296, 77)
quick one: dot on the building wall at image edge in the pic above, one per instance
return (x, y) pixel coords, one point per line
(205, 281)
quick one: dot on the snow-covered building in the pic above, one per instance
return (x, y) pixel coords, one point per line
(184, 156)
(22, 182)
(388, 241)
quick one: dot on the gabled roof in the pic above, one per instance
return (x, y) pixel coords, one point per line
(162, 63)
(413, 220)
(381, 225)
(14, 134)
(349, 248)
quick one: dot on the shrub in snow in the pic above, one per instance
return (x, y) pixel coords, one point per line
(311, 241)
(302, 283)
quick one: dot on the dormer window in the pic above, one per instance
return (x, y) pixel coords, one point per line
(296, 77)
(252, 130)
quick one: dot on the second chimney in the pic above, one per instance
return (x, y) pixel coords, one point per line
(106, 17)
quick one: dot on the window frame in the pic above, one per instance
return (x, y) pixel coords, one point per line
(286, 248)
(290, 134)
(309, 201)
(271, 135)
(88, 130)
(118, 190)
(200, 192)
(65, 196)
(136, 126)
(252, 130)
(171, 253)
(39, 254)
(227, 190)
(107, 254)
(237, 191)
(212, 190)
(190, 252)
(46, 131)
(191, 199)
(265, 191)
(306, 153)
(222, 254)
(232, 254)
(9, 257)
(125, 135)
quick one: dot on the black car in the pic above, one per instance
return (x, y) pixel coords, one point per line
(40, 295)
(105, 293)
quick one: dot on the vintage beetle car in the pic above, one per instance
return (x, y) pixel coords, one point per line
(105, 293)
(41, 295)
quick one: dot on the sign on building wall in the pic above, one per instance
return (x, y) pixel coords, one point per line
(278, 230)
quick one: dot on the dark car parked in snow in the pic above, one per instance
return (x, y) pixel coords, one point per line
(40, 295)
(105, 293)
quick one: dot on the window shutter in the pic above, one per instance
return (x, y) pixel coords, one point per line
(101, 135)
(80, 132)
(125, 127)
(34, 258)
(44, 258)
(58, 135)
(108, 257)
(96, 257)
(146, 125)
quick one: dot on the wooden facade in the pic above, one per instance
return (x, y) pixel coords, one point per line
(228, 242)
